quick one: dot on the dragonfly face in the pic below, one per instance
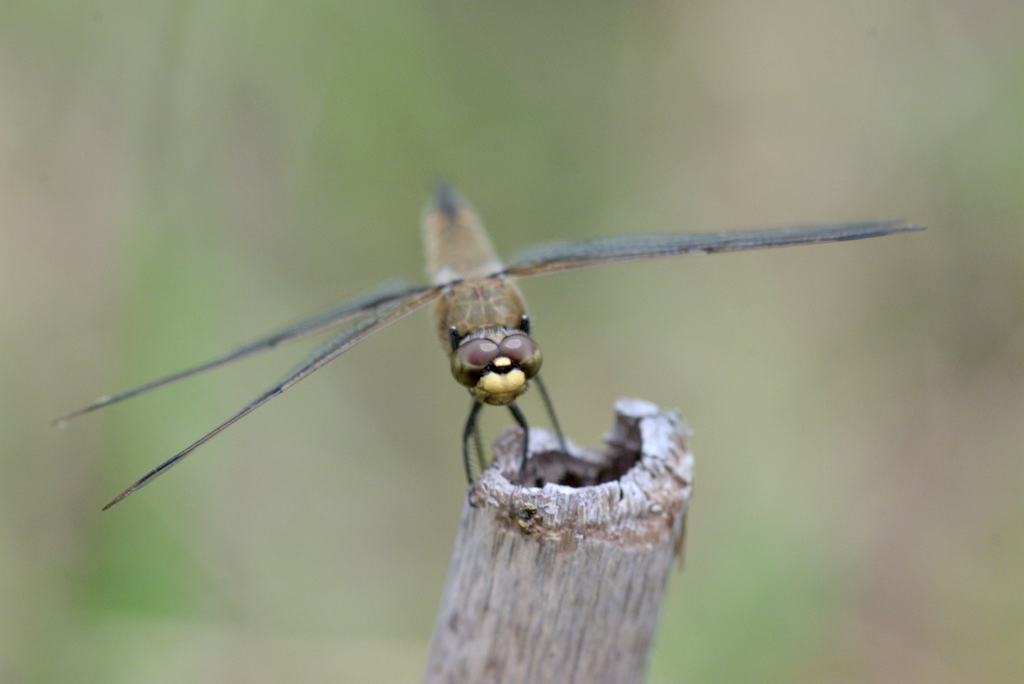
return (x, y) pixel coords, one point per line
(496, 366)
(480, 315)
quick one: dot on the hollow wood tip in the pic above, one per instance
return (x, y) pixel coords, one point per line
(632, 491)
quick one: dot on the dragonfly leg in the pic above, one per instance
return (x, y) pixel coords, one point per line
(551, 413)
(479, 444)
(521, 419)
(470, 431)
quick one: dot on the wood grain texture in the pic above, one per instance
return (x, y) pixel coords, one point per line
(565, 583)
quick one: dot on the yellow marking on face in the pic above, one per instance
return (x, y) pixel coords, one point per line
(501, 362)
(500, 388)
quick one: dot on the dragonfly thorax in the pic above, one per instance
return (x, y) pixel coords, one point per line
(496, 365)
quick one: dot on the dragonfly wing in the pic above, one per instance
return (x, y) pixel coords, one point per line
(367, 323)
(370, 300)
(564, 256)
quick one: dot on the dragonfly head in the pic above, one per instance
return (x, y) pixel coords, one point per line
(496, 367)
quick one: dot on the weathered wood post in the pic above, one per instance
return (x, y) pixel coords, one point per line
(564, 583)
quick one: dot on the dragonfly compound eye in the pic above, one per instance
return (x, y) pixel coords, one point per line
(523, 352)
(471, 359)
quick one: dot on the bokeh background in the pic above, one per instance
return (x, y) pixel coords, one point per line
(178, 177)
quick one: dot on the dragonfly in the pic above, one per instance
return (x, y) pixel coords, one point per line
(480, 314)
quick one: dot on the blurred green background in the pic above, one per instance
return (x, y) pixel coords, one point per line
(180, 177)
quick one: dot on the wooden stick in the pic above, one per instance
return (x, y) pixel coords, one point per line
(565, 583)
